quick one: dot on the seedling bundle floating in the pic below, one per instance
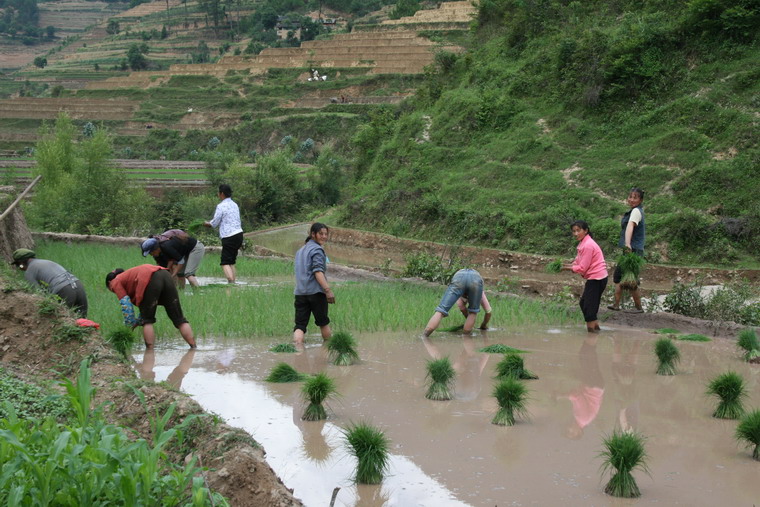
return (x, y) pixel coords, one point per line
(730, 390)
(342, 349)
(630, 266)
(283, 372)
(623, 453)
(748, 341)
(511, 395)
(440, 375)
(369, 446)
(513, 366)
(315, 391)
(748, 432)
(668, 356)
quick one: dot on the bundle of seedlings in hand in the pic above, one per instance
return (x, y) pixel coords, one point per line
(370, 447)
(729, 387)
(513, 366)
(283, 347)
(441, 377)
(342, 349)
(283, 372)
(624, 452)
(122, 340)
(498, 348)
(748, 431)
(630, 265)
(315, 391)
(667, 356)
(195, 226)
(511, 395)
(748, 341)
(554, 266)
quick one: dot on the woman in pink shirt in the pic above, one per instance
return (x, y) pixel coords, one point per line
(589, 263)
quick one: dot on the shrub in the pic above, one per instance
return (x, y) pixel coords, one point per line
(431, 267)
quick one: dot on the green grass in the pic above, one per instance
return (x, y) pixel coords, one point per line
(624, 452)
(371, 448)
(730, 390)
(668, 356)
(667, 330)
(283, 347)
(693, 337)
(748, 432)
(29, 400)
(440, 378)
(511, 396)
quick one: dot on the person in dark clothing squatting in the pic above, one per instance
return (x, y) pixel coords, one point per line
(178, 252)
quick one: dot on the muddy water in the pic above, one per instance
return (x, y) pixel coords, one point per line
(449, 453)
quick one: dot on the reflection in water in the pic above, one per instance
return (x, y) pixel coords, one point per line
(586, 397)
(624, 360)
(175, 377)
(468, 365)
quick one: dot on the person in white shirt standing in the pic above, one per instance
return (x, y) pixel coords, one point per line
(227, 219)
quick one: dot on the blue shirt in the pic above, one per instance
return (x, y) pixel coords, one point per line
(310, 259)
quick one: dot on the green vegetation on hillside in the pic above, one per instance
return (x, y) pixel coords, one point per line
(557, 111)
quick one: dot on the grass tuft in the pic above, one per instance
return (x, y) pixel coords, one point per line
(315, 391)
(122, 339)
(748, 432)
(283, 347)
(668, 356)
(283, 372)
(693, 337)
(667, 330)
(729, 388)
(513, 366)
(748, 341)
(342, 349)
(511, 395)
(498, 348)
(441, 376)
(369, 446)
(624, 452)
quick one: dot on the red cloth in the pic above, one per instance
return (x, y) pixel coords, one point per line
(87, 323)
(133, 282)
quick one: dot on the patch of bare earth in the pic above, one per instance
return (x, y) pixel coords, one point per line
(234, 463)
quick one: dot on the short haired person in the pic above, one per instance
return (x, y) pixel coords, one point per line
(465, 282)
(52, 277)
(632, 238)
(227, 219)
(312, 292)
(181, 254)
(148, 286)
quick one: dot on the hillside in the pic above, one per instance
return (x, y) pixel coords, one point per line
(557, 111)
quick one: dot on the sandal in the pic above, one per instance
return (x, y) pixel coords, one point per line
(635, 310)
(613, 307)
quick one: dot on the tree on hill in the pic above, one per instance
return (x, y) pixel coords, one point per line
(113, 27)
(136, 56)
(40, 62)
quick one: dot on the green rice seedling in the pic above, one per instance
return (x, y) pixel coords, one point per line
(729, 388)
(196, 226)
(624, 452)
(342, 349)
(748, 341)
(440, 374)
(511, 395)
(315, 391)
(283, 347)
(122, 339)
(692, 337)
(513, 366)
(369, 446)
(668, 356)
(748, 432)
(498, 348)
(283, 372)
(453, 329)
(554, 266)
(630, 266)
(667, 330)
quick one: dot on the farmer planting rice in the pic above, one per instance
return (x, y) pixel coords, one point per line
(312, 292)
(148, 287)
(178, 252)
(465, 283)
(227, 219)
(632, 237)
(53, 278)
(589, 263)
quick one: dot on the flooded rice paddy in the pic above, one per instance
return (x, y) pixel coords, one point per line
(449, 453)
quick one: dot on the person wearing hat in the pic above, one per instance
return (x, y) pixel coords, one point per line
(148, 287)
(53, 278)
(181, 254)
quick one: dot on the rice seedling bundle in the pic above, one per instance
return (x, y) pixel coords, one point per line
(195, 226)
(342, 349)
(624, 452)
(748, 432)
(667, 330)
(511, 395)
(498, 348)
(315, 391)
(369, 446)
(122, 339)
(729, 388)
(693, 337)
(453, 329)
(440, 375)
(554, 266)
(667, 356)
(283, 372)
(283, 347)
(748, 341)
(630, 266)
(512, 365)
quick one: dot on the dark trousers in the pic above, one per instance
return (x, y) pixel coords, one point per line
(591, 297)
